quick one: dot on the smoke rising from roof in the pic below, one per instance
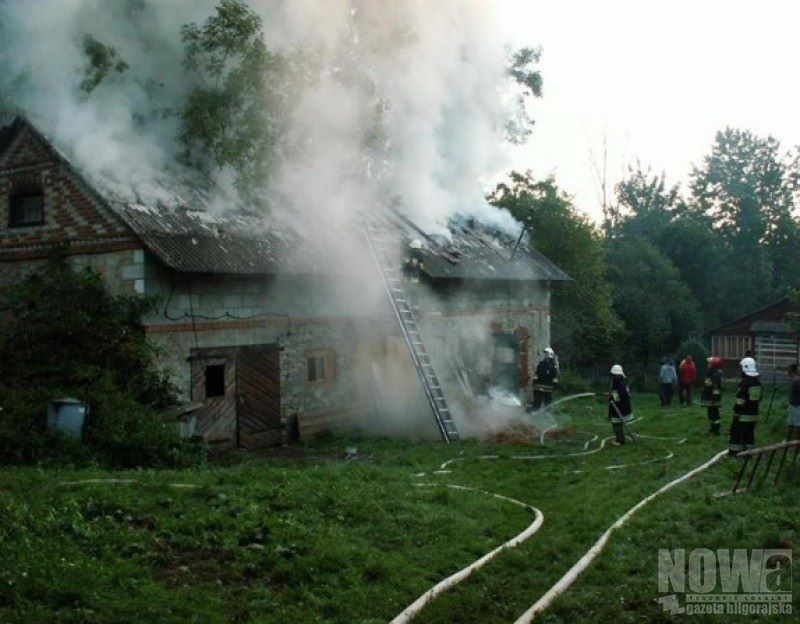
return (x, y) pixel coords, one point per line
(409, 104)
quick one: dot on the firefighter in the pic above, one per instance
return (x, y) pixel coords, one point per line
(745, 410)
(545, 379)
(711, 395)
(619, 404)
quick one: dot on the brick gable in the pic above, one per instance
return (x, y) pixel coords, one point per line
(73, 213)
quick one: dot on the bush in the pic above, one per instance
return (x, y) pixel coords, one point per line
(63, 335)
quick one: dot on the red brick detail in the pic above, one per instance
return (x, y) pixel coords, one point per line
(72, 212)
(222, 325)
(24, 151)
(523, 338)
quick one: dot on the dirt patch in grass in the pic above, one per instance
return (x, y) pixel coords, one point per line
(294, 453)
(203, 565)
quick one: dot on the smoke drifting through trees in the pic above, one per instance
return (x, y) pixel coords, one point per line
(403, 101)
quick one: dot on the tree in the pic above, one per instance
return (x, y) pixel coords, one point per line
(101, 59)
(584, 324)
(62, 328)
(746, 186)
(644, 204)
(650, 298)
(523, 70)
(62, 334)
(234, 115)
(648, 209)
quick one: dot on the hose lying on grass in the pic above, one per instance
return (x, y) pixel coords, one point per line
(412, 610)
(572, 574)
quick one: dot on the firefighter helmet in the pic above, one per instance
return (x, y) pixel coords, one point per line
(748, 365)
(715, 362)
(617, 370)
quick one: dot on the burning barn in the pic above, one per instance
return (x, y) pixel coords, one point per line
(274, 331)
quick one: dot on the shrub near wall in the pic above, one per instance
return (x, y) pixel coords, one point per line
(63, 335)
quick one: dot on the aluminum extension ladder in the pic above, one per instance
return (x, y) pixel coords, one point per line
(392, 278)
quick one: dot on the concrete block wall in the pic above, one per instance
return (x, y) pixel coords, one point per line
(118, 269)
(463, 318)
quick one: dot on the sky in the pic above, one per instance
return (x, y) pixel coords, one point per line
(657, 80)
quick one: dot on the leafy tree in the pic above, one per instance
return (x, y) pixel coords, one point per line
(650, 298)
(62, 334)
(746, 186)
(648, 209)
(62, 328)
(524, 72)
(644, 204)
(234, 114)
(102, 59)
(583, 322)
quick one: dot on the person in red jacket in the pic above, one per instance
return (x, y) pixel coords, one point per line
(687, 372)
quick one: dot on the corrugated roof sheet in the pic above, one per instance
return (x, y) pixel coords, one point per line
(193, 241)
(770, 327)
(474, 251)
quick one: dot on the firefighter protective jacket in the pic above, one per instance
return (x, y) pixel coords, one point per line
(747, 399)
(712, 389)
(546, 376)
(619, 399)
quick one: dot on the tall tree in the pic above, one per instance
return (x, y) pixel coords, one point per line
(747, 188)
(584, 324)
(648, 209)
(645, 203)
(651, 299)
(233, 115)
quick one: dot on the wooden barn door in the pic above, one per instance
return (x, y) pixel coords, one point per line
(214, 384)
(258, 392)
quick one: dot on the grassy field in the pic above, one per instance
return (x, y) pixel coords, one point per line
(311, 536)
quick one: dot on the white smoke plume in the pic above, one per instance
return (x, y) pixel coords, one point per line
(430, 78)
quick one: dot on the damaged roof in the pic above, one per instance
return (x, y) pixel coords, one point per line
(194, 239)
(475, 251)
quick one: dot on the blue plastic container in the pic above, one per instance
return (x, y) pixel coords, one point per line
(66, 416)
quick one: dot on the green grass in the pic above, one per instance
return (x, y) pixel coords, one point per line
(318, 538)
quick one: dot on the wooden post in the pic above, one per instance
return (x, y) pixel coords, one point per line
(741, 473)
(780, 465)
(769, 463)
(753, 474)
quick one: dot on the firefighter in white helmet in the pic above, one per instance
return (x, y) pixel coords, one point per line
(545, 379)
(745, 410)
(619, 404)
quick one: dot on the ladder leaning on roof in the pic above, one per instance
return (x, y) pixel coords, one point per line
(392, 278)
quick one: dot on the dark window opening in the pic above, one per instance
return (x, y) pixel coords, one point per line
(321, 366)
(215, 380)
(316, 368)
(26, 207)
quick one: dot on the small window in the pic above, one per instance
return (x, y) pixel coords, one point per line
(321, 366)
(26, 207)
(215, 380)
